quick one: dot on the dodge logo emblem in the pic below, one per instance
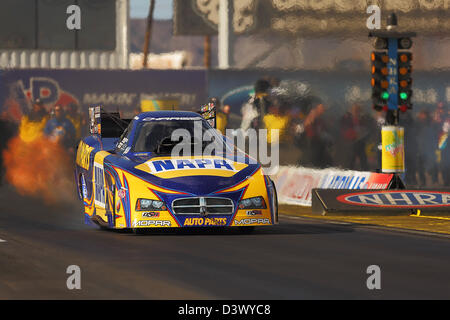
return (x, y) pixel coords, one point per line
(203, 211)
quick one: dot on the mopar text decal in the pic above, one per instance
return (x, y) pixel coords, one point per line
(397, 199)
(251, 221)
(152, 223)
(157, 166)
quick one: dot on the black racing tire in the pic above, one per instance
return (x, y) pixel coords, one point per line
(276, 201)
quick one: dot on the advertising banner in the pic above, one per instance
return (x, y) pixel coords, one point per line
(294, 184)
(347, 200)
(123, 90)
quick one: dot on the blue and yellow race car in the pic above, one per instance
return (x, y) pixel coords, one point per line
(129, 178)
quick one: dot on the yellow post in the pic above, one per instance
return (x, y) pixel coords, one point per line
(393, 152)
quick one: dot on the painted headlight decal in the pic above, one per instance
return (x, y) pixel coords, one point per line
(150, 205)
(253, 203)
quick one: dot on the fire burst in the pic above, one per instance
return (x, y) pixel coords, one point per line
(40, 168)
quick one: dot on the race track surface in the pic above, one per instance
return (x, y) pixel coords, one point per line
(299, 259)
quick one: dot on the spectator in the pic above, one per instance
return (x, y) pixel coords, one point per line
(425, 146)
(411, 148)
(32, 124)
(379, 122)
(254, 111)
(60, 129)
(273, 81)
(444, 149)
(438, 118)
(222, 114)
(355, 131)
(276, 119)
(313, 139)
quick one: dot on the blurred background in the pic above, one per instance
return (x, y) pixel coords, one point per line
(307, 62)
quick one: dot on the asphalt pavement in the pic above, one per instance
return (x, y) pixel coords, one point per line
(299, 259)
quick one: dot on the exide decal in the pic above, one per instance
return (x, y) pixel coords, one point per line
(396, 199)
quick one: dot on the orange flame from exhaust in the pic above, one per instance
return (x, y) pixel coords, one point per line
(41, 168)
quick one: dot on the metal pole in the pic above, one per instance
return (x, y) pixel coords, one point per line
(207, 52)
(226, 9)
(148, 32)
(122, 34)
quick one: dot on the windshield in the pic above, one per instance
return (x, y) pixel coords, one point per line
(156, 136)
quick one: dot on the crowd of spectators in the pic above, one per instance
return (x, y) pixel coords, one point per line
(311, 133)
(327, 136)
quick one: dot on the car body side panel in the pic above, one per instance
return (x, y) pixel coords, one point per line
(89, 161)
(99, 187)
(83, 174)
(255, 187)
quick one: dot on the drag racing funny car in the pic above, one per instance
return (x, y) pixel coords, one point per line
(129, 177)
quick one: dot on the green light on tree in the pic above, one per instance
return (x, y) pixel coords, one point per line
(403, 95)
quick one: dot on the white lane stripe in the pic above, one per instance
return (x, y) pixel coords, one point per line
(1, 240)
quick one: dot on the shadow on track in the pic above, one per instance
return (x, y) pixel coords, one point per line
(281, 229)
(22, 212)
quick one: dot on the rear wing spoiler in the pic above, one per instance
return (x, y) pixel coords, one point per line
(106, 124)
(208, 112)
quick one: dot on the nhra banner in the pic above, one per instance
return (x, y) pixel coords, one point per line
(115, 89)
(294, 184)
(327, 200)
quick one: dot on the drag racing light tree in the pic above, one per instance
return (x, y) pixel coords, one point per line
(379, 80)
(397, 96)
(391, 91)
(404, 81)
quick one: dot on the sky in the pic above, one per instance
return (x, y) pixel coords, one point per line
(163, 9)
